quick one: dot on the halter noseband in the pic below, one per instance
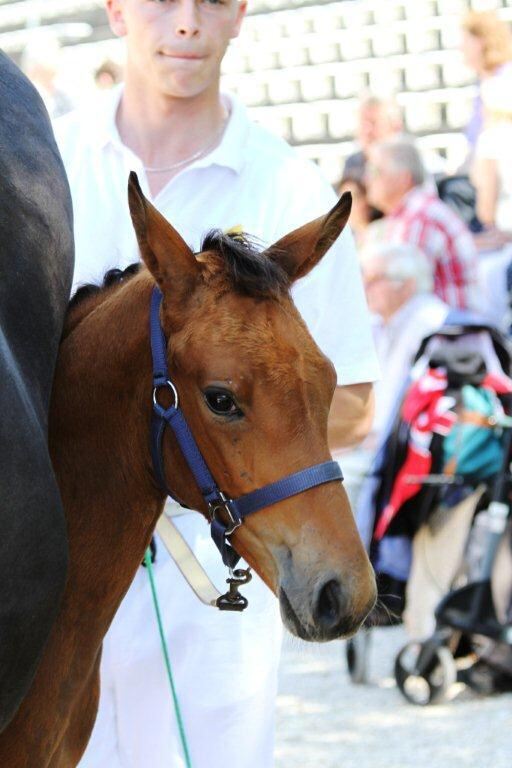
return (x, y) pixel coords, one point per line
(235, 509)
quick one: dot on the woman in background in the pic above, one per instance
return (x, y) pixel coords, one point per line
(491, 171)
(487, 50)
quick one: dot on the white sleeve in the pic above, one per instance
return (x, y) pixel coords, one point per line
(488, 145)
(331, 298)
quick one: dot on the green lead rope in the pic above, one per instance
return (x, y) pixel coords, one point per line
(149, 565)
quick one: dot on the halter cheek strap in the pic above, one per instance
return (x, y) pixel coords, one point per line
(225, 514)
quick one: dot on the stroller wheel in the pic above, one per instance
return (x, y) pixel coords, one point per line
(357, 652)
(424, 672)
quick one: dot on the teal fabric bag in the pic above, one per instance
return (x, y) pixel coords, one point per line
(473, 447)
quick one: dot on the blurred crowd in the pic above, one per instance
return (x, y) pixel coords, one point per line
(43, 62)
(429, 242)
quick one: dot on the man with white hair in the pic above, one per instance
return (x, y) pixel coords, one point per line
(399, 282)
(414, 213)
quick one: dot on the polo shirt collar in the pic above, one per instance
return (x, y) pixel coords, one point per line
(230, 153)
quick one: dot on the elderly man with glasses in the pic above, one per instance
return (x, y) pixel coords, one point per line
(397, 185)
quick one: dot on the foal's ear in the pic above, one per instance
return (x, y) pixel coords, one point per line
(167, 256)
(299, 251)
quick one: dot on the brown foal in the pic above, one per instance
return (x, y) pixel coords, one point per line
(232, 329)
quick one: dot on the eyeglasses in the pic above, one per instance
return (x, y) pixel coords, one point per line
(369, 280)
(381, 277)
(372, 170)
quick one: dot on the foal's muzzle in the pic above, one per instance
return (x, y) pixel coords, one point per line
(325, 612)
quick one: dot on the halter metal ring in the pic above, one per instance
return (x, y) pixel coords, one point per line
(173, 389)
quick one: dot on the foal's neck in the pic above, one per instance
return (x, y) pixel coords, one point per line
(98, 436)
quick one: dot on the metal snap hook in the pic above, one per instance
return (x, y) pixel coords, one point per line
(232, 600)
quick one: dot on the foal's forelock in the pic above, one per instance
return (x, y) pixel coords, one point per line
(246, 268)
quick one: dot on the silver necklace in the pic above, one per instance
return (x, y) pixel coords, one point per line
(191, 158)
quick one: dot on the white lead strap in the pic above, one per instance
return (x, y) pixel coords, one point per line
(190, 567)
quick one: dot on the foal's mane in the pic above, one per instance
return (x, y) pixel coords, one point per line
(235, 258)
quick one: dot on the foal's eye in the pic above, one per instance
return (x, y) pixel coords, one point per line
(221, 402)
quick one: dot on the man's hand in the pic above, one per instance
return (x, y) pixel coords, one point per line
(351, 415)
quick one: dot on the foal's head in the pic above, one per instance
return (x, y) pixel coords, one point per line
(256, 392)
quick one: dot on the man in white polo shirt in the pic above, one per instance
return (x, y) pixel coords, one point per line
(205, 165)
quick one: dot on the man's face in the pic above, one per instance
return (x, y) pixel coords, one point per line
(176, 46)
(385, 185)
(384, 295)
(379, 181)
(374, 124)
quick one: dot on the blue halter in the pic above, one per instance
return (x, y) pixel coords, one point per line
(235, 510)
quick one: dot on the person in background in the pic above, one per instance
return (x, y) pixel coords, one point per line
(398, 279)
(491, 171)
(363, 214)
(40, 61)
(396, 182)
(108, 74)
(487, 49)
(378, 118)
(491, 174)
(204, 165)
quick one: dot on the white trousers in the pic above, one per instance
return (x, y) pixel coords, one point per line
(224, 666)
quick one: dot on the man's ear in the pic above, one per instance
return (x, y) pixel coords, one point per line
(240, 16)
(167, 256)
(116, 18)
(299, 251)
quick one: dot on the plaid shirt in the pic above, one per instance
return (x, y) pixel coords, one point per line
(425, 221)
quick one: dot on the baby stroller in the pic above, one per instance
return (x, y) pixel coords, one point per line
(443, 467)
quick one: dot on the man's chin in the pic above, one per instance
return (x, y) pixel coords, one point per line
(183, 88)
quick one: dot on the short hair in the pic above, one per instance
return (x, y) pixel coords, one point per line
(404, 155)
(495, 35)
(388, 103)
(401, 262)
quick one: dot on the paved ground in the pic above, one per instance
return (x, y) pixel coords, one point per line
(326, 722)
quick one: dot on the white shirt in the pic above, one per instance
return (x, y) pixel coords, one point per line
(253, 180)
(397, 343)
(495, 143)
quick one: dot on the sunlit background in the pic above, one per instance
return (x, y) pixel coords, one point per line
(300, 65)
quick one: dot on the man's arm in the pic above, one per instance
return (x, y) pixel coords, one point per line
(485, 179)
(351, 415)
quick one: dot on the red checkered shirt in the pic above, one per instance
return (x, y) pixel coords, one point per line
(424, 220)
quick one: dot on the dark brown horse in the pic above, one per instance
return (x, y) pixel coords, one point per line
(36, 266)
(256, 392)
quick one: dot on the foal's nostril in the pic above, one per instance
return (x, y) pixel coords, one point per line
(330, 604)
